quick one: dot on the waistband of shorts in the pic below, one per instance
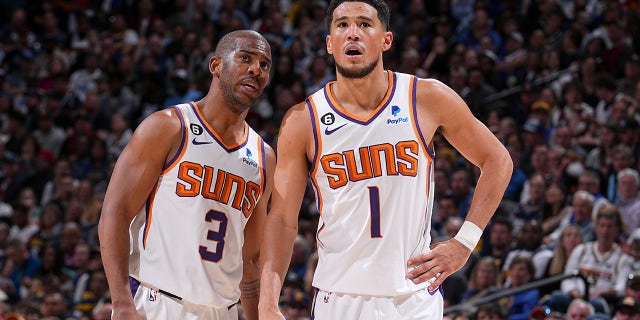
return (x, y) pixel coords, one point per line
(135, 283)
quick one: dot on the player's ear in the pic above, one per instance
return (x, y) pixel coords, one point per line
(214, 66)
(387, 40)
(327, 40)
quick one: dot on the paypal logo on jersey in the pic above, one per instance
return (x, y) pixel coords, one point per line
(395, 110)
(248, 161)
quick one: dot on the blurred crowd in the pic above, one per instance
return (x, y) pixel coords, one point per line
(557, 81)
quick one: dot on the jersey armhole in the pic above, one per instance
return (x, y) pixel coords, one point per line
(182, 147)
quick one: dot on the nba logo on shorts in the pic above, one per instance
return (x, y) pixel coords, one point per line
(153, 295)
(327, 295)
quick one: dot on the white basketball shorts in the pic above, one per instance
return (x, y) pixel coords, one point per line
(419, 305)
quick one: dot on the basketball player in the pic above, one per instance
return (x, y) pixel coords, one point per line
(192, 189)
(366, 142)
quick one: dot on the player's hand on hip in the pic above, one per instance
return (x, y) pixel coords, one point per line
(446, 258)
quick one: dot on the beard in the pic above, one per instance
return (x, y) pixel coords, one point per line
(234, 101)
(358, 73)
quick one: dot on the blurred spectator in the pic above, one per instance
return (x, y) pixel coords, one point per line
(54, 305)
(118, 136)
(529, 245)
(531, 208)
(622, 158)
(94, 166)
(485, 279)
(49, 135)
(570, 238)
(605, 87)
(319, 74)
(553, 208)
(500, 236)
(20, 266)
(579, 309)
(629, 197)
(520, 305)
(628, 308)
(600, 157)
(21, 228)
(97, 293)
(11, 181)
(632, 248)
(117, 97)
(601, 261)
(579, 214)
(61, 172)
(181, 89)
(84, 80)
(90, 200)
(462, 190)
(589, 181)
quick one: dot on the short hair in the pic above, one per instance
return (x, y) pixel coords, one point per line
(581, 302)
(380, 6)
(610, 211)
(527, 263)
(585, 195)
(503, 221)
(227, 43)
(629, 172)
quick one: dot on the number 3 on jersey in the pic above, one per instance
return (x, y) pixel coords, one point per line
(374, 204)
(215, 236)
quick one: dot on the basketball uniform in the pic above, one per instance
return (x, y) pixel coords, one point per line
(186, 242)
(374, 189)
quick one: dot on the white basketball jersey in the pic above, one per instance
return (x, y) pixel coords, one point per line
(373, 183)
(189, 236)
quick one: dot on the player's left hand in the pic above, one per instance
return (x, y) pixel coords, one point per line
(444, 259)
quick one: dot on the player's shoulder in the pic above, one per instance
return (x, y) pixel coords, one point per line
(437, 96)
(298, 112)
(431, 86)
(162, 123)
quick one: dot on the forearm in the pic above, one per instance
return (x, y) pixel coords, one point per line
(250, 290)
(276, 255)
(491, 185)
(114, 249)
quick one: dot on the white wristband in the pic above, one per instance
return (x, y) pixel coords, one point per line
(469, 235)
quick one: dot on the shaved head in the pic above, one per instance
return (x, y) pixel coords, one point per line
(229, 42)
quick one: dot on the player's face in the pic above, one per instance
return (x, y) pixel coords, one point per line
(357, 39)
(245, 73)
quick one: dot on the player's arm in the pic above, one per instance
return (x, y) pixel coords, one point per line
(282, 222)
(253, 238)
(441, 107)
(134, 175)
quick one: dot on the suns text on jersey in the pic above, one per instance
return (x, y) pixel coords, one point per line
(195, 179)
(373, 161)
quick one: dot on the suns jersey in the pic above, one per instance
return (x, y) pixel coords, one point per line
(188, 238)
(373, 182)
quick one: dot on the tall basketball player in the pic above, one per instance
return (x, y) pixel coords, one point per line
(366, 142)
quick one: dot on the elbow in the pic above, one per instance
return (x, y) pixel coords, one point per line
(506, 164)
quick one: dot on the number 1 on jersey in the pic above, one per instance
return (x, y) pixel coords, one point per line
(374, 203)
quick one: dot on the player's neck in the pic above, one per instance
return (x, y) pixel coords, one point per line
(363, 93)
(227, 124)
